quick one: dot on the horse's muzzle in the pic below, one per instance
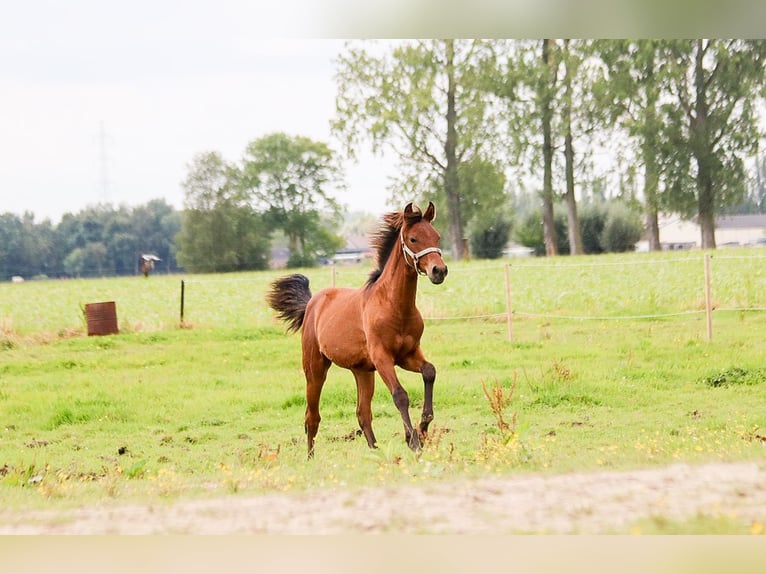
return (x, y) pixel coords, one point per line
(437, 274)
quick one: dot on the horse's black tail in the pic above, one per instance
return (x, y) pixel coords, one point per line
(289, 297)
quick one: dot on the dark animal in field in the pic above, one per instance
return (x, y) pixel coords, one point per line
(147, 264)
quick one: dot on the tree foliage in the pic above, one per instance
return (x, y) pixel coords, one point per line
(220, 231)
(489, 238)
(229, 215)
(283, 184)
(690, 106)
(610, 227)
(290, 180)
(527, 230)
(607, 227)
(473, 124)
(422, 100)
(712, 122)
(622, 228)
(100, 240)
(631, 93)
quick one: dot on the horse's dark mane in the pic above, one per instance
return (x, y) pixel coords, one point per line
(382, 241)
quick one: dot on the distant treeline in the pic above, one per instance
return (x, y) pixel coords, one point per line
(99, 241)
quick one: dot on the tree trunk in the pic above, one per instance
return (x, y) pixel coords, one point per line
(451, 184)
(760, 194)
(651, 200)
(651, 165)
(707, 227)
(573, 223)
(549, 229)
(705, 201)
(652, 229)
(702, 153)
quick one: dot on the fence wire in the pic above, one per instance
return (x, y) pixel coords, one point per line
(604, 317)
(578, 287)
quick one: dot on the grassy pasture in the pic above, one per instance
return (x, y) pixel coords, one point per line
(610, 367)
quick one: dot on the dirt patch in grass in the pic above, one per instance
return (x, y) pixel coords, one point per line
(605, 502)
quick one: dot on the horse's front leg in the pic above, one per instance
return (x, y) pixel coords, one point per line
(418, 364)
(429, 377)
(387, 372)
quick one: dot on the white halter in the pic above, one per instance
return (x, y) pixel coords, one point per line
(415, 256)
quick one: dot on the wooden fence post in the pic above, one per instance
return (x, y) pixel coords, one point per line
(183, 288)
(708, 299)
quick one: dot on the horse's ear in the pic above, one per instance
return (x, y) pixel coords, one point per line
(412, 213)
(430, 213)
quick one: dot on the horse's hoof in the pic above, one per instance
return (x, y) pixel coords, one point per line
(413, 441)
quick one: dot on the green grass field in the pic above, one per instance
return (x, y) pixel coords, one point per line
(609, 368)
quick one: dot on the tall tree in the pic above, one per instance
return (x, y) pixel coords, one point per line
(421, 100)
(528, 82)
(546, 86)
(716, 85)
(635, 84)
(756, 198)
(292, 179)
(11, 237)
(571, 63)
(220, 230)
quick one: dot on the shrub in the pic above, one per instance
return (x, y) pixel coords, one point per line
(622, 228)
(528, 231)
(489, 240)
(735, 376)
(609, 227)
(298, 259)
(592, 218)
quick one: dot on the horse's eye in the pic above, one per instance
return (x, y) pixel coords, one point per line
(413, 240)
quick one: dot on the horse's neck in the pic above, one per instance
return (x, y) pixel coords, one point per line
(399, 281)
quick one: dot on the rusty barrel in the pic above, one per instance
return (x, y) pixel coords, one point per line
(101, 318)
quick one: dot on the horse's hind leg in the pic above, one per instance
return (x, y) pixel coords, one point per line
(315, 367)
(365, 389)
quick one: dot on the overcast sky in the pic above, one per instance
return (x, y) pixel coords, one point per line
(106, 101)
(109, 102)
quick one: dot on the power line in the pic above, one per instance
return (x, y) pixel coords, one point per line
(104, 162)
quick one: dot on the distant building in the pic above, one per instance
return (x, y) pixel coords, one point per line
(730, 231)
(513, 249)
(356, 250)
(740, 229)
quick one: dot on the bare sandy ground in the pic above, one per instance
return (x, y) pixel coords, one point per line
(584, 503)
